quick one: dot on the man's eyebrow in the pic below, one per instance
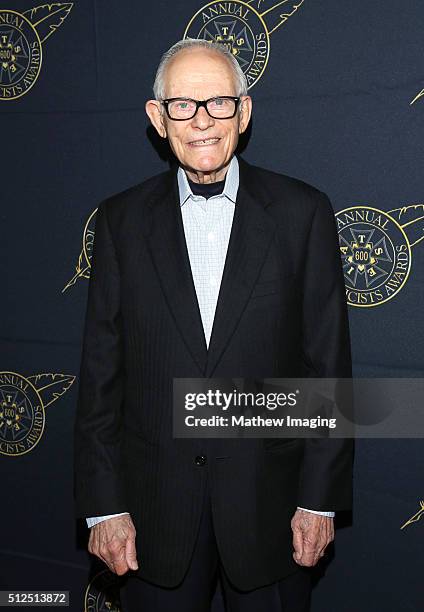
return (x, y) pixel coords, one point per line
(218, 95)
(221, 95)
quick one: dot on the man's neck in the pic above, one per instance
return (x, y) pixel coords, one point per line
(207, 190)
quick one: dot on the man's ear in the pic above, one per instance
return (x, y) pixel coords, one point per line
(245, 113)
(153, 111)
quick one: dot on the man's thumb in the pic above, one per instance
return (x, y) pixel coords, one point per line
(131, 554)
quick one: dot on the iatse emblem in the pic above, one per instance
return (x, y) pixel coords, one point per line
(244, 28)
(21, 52)
(23, 400)
(376, 251)
(102, 593)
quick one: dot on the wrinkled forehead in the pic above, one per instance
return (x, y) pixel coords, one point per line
(200, 74)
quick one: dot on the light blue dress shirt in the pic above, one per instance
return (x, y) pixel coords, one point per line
(207, 227)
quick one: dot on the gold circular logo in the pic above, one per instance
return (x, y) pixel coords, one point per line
(102, 593)
(22, 416)
(376, 255)
(239, 27)
(20, 55)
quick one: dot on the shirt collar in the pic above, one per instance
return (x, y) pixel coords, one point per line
(230, 186)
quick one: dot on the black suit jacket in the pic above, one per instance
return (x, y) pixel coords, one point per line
(281, 312)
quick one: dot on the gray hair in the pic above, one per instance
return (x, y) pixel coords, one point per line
(186, 43)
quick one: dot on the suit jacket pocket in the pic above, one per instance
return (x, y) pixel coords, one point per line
(279, 445)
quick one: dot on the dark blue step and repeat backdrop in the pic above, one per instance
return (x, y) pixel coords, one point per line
(338, 92)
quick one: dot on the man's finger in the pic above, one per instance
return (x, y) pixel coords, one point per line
(117, 558)
(309, 554)
(97, 546)
(326, 536)
(297, 544)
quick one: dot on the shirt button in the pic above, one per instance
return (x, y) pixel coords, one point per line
(200, 460)
(211, 236)
(212, 281)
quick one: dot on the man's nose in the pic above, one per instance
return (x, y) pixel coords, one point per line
(201, 119)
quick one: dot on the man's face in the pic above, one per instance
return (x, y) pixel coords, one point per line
(203, 145)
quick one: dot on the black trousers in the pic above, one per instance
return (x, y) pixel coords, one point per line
(195, 592)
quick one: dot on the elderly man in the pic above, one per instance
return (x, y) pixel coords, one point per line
(215, 269)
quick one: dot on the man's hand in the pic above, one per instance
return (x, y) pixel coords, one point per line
(311, 535)
(113, 541)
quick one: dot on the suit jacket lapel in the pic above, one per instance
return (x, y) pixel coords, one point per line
(251, 234)
(166, 240)
(250, 238)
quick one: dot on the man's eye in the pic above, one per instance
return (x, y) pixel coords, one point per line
(183, 105)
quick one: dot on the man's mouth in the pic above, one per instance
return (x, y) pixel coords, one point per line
(204, 142)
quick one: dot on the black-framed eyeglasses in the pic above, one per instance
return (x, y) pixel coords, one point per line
(181, 109)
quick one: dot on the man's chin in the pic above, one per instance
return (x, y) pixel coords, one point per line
(206, 165)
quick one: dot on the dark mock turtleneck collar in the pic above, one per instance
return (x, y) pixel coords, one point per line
(207, 190)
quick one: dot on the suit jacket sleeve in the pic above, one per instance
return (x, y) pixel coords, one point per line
(326, 481)
(98, 488)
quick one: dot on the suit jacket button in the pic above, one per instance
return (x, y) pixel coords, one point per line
(200, 460)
